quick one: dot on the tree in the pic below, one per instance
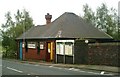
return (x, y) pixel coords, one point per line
(0, 37)
(23, 21)
(12, 29)
(104, 19)
(89, 15)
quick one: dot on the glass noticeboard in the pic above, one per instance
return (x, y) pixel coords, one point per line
(60, 48)
(68, 49)
(64, 48)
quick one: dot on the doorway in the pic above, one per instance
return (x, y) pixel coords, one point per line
(49, 54)
(20, 53)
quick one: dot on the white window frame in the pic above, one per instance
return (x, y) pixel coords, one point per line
(63, 51)
(31, 45)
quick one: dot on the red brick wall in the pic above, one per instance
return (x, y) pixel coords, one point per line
(104, 54)
(32, 53)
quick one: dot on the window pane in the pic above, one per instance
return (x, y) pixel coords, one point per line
(57, 49)
(31, 45)
(62, 49)
(68, 48)
(41, 45)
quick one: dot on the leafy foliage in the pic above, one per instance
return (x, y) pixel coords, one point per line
(89, 15)
(12, 29)
(105, 19)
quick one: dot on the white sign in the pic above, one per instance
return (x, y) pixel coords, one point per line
(68, 49)
(31, 46)
(64, 46)
(57, 49)
(23, 45)
(61, 49)
(65, 41)
(41, 46)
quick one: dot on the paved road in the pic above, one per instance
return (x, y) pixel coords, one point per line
(18, 68)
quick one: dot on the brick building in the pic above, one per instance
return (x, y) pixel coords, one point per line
(56, 40)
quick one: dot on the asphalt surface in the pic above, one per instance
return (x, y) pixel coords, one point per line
(18, 68)
(12, 68)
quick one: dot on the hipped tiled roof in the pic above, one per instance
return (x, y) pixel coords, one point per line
(68, 25)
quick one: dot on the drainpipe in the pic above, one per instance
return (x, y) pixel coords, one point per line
(64, 52)
(73, 53)
(56, 53)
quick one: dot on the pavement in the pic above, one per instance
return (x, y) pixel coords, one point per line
(78, 66)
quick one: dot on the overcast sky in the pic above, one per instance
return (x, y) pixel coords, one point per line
(38, 8)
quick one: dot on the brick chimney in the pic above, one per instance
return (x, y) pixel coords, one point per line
(48, 18)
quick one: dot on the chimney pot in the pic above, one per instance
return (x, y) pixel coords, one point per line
(48, 18)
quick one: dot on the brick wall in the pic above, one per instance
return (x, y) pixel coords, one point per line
(104, 54)
(97, 53)
(32, 53)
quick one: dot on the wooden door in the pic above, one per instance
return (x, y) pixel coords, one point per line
(20, 53)
(49, 51)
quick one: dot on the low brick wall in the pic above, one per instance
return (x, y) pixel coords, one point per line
(104, 54)
(93, 54)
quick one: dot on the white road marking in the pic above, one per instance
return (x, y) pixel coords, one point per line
(28, 74)
(102, 72)
(26, 64)
(55, 67)
(93, 73)
(50, 66)
(108, 74)
(36, 65)
(14, 70)
(70, 68)
(73, 69)
(59, 68)
(82, 71)
(76, 69)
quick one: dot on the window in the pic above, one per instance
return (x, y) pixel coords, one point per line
(68, 48)
(23, 45)
(60, 48)
(64, 47)
(31, 45)
(41, 45)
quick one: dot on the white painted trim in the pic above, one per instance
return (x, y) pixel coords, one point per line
(65, 41)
